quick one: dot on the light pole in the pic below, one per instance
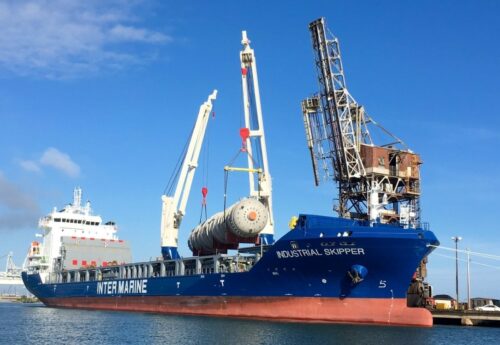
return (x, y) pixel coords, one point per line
(456, 239)
(468, 280)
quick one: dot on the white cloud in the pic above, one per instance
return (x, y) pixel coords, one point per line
(18, 209)
(130, 33)
(67, 39)
(30, 166)
(60, 161)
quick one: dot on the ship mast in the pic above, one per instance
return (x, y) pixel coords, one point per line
(378, 183)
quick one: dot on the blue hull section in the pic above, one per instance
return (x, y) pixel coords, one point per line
(316, 259)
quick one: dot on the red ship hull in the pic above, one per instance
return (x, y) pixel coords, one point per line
(291, 309)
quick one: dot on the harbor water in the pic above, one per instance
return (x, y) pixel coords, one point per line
(37, 324)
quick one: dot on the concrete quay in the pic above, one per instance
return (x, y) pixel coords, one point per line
(466, 317)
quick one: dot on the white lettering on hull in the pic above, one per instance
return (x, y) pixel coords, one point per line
(296, 253)
(122, 287)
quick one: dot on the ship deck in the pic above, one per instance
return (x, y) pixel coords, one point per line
(243, 261)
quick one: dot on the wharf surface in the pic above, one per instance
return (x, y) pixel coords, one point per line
(9, 298)
(466, 317)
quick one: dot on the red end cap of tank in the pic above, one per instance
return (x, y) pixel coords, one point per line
(252, 215)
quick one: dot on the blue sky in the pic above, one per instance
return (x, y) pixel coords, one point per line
(103, 95)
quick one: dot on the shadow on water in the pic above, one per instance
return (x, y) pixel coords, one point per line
(33, 324)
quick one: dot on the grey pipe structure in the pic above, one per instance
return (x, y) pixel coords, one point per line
(246, 218)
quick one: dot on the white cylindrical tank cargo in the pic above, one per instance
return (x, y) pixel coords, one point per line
(244, 219)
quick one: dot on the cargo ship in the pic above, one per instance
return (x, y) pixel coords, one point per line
(11, 284)
(355, 268)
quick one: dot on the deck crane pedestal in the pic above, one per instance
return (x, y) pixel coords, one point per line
(174, 207)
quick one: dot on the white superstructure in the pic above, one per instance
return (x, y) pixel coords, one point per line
(72, 227)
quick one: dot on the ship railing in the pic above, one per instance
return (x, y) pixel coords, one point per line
(419, 225)
(213, 264)
(425, 225)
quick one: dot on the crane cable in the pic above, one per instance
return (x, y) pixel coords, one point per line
(205, 171)
(226, 172)
(245, 137)
(177, 168)
(253, 112)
